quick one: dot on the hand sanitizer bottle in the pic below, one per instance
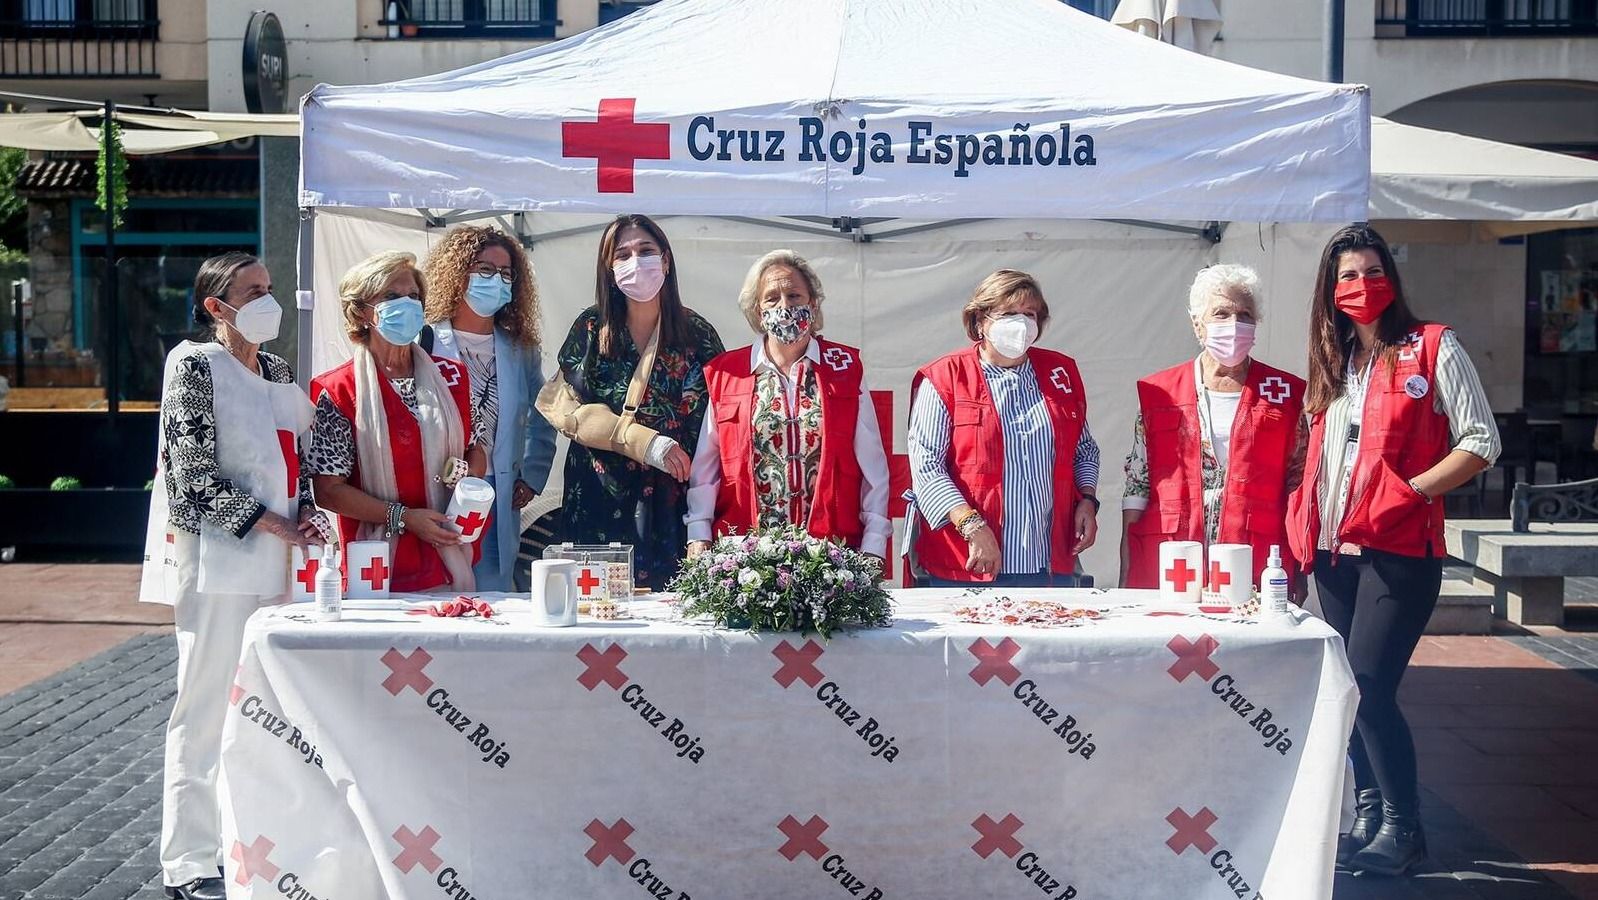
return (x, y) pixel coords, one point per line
(329, 587)
(1273, 585)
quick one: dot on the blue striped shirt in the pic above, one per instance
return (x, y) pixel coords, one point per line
(1028, 464)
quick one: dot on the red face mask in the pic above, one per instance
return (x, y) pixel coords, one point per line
(1364, 299)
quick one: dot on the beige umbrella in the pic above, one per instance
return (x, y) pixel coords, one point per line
(1189, 24)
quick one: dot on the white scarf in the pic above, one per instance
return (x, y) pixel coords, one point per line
(442, 438)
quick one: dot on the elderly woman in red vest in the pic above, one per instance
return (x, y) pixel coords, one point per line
(1003, 468)
(387, 423)
(1219, 440)
(791, 436)
(1398, 419)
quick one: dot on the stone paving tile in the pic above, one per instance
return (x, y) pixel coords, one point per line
(80, 785)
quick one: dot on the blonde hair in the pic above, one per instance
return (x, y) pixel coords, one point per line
(449, 265)
(995, 291)
(749, 296)
(1220, 280)
(366, 279)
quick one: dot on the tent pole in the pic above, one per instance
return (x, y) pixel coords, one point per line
(305, 295)
(1332, 63)
(113, 317)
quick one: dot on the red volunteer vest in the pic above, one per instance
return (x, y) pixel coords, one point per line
(416, 565)
(976, 455)
(1254, 500)
(835, 508)
(1401, 435)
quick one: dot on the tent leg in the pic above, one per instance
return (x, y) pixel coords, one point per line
(305, 296)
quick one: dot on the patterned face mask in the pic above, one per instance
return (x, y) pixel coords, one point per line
(786, 323)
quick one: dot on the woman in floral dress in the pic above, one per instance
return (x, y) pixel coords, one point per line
(609, 497)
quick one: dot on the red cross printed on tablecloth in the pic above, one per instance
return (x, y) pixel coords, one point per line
(236, 693)
(307, 576)
(376, 574)
(998, 836)
(804, 838)
(993, 661)
(406, 671)
(1218, 578)
(1193, 657)
(797, 663)
(470, 523)
(253, 860)
(602, 667)
(1191, 831)
(587, 581)
(1178, 576)
(1276, 390)
(609, 842)
(417, 847)
(616, 141)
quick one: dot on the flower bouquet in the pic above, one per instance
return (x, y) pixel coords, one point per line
(782, 579)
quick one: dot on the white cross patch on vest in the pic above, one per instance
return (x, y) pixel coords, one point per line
(1061, 379)
(1276, 390)
(1411, 345)
(838, 358)
(450, 371)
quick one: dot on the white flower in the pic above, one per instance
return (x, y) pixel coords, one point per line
(749, 578)
(846, 576)
(766, 545)
(816, 549)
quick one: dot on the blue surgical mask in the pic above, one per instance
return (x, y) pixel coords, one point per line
(486, 294)
(400, 320)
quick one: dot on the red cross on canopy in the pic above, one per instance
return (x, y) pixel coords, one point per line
(617, 142)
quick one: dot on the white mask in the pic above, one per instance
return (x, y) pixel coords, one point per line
(1011, 335)
(1229, 340)
(258, 320)
(640, 277)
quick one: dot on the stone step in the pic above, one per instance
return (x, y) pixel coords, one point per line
(1462, 608)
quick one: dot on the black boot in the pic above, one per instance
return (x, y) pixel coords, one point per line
(1367, 818)
(1398, 845)
(198, 889)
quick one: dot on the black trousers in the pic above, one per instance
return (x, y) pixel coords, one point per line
(1380, 602)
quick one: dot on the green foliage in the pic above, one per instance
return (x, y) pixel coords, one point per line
(117, 166)
(6, 483)
(150, 485)
(66, 483)
(782, 579)
(11, 163)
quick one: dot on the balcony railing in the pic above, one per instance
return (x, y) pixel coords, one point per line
(78, 38)
(471, 18)
(1486, 18)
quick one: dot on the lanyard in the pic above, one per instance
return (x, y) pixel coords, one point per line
(1206, 416)
(1357, 392)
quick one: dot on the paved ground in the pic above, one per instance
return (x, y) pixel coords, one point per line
(1507, 729)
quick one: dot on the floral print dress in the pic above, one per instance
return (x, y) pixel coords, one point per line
(609, 497)
(787, 447)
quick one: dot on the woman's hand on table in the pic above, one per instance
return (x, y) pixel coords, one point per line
(982, 554)
(431, 526)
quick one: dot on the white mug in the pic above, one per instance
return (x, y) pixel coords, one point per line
(554, 593)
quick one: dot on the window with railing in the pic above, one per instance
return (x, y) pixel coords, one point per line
(471, 18)
(1486, 18)
(78, 38)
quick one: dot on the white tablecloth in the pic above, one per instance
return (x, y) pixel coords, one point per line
(1146, 754)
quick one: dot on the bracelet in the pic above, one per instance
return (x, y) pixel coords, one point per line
(971, 524)
(1423, 495)
(396, 521)
(1093, 500)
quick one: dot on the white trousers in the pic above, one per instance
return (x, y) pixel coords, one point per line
(210, 631)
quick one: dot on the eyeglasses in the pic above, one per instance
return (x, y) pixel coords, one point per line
(487, 269)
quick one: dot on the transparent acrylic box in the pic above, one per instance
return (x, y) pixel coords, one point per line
(614, 560)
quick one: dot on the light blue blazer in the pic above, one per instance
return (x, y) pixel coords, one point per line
(524, 442)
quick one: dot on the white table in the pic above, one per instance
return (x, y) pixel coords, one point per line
(401, 756)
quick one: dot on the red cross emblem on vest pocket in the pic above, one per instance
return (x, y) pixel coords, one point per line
(1061, 379)
(1276, 390)
(1411, 346)
(837, 357)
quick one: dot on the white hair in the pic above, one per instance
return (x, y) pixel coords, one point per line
(1220, 280)
(749, 296)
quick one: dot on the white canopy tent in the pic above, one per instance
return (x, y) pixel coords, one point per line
(842, 113)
